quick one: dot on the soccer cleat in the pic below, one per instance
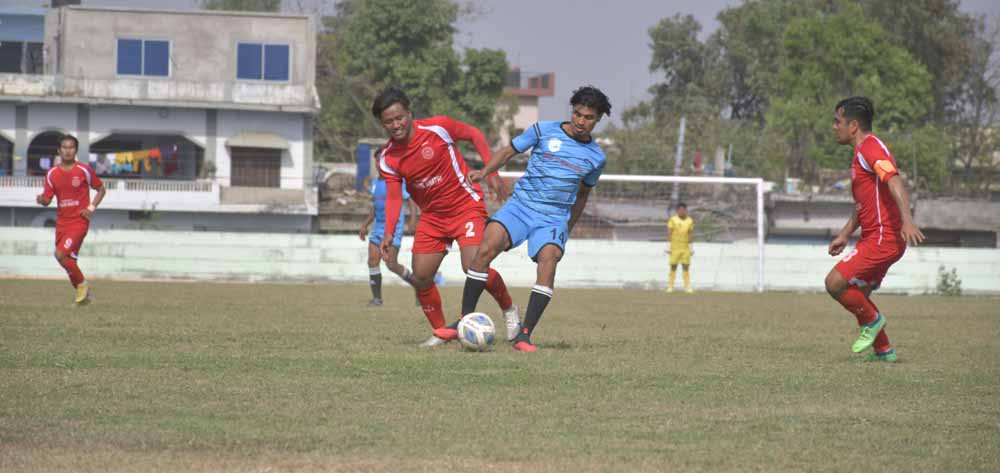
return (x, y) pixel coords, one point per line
(446, 333)
(868, 334)
(513, 321)
(668, 290)
(887, 357)
(82, 294)
(433, 342)
(374, 302)
(689, 290)
(525, 346)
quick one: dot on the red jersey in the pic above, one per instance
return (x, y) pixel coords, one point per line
(433, 169)
(871, 169)
(72, 191)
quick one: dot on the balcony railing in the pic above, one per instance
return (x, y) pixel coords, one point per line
(127, 90)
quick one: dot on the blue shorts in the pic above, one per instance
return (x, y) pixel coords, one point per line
(378, 231)
(538, 229)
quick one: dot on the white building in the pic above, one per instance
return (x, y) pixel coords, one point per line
(226, 99)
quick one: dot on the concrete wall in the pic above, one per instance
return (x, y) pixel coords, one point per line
(202, 43)
(589, 263)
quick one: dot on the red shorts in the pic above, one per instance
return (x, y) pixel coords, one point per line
(435, 233)
(69, 239)
(867, 263)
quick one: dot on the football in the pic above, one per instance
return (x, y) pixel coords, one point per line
(476, 331)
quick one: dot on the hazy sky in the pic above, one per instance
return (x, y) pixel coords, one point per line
(583, 41)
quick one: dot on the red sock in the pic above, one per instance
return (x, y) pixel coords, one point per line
(881, 344)
(75, 275)
(854, 300)
(430, 301)
(496, 287)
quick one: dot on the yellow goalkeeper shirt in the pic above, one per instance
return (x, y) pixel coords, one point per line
(680, 232)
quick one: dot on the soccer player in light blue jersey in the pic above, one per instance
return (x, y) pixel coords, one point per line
(565, 164)
(377, 216)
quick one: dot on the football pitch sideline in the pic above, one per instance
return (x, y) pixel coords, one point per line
(210, 377)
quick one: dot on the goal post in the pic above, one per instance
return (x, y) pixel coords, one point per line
(637, 205)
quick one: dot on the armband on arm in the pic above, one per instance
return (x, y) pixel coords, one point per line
(884, 169)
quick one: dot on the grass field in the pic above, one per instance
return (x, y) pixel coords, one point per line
(232, 377)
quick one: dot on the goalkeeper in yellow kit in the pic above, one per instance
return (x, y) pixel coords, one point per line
(680, 233)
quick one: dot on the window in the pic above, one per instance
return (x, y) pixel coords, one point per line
(248, 61)
(18, 57)
(255, 167)
(141, 57)
(256, 61)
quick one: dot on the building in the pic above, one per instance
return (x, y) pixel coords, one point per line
(196, 120)
(524, 89)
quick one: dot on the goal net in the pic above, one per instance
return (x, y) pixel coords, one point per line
(621, 239)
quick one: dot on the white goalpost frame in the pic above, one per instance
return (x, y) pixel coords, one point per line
(755, 181)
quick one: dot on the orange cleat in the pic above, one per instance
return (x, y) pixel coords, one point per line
(446, 333)
(525, 346)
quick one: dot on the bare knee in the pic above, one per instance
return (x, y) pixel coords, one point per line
(485, 255)
(835, 284)
(421, 283)
(60, 256)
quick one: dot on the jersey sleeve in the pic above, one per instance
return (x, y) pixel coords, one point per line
(406, 195)
(393, 193)
(95, 180)
(590, 180)
(875, 159)
(464, 132)
(670, 224)
(49, 191)
(527, 140)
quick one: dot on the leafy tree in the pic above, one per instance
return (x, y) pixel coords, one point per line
(372, 44)
(938, 35)
(974, 128)
(830, 56)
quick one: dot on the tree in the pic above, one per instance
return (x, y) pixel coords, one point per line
(372, 44)
(749, 45)
(939, 36)
(977, 112)
(827, 57)
(242, 5)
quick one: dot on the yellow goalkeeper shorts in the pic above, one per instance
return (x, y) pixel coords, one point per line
(680, 257)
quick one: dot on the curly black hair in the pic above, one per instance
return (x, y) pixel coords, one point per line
(592, 97)
(386, 98)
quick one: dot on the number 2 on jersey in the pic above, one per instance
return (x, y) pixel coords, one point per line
(470, 229)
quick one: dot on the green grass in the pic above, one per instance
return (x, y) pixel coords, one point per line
(237, 377)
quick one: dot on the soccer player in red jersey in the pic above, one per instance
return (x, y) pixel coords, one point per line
(882, 210)
(423, 152)
(70, 182)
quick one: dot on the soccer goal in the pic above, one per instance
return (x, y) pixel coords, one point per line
(626, 218)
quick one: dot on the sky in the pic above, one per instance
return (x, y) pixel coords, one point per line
(583, 42)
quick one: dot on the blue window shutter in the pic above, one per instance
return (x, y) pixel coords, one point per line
(130, 57)
(248, 61)
(156, 60)
(276, 62)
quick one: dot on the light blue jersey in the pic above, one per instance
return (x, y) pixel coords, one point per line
(557, 165)
(378, 227)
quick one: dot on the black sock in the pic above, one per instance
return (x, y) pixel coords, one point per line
(375, 281)
(407, 276)
(540, 297)
(475, 282)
